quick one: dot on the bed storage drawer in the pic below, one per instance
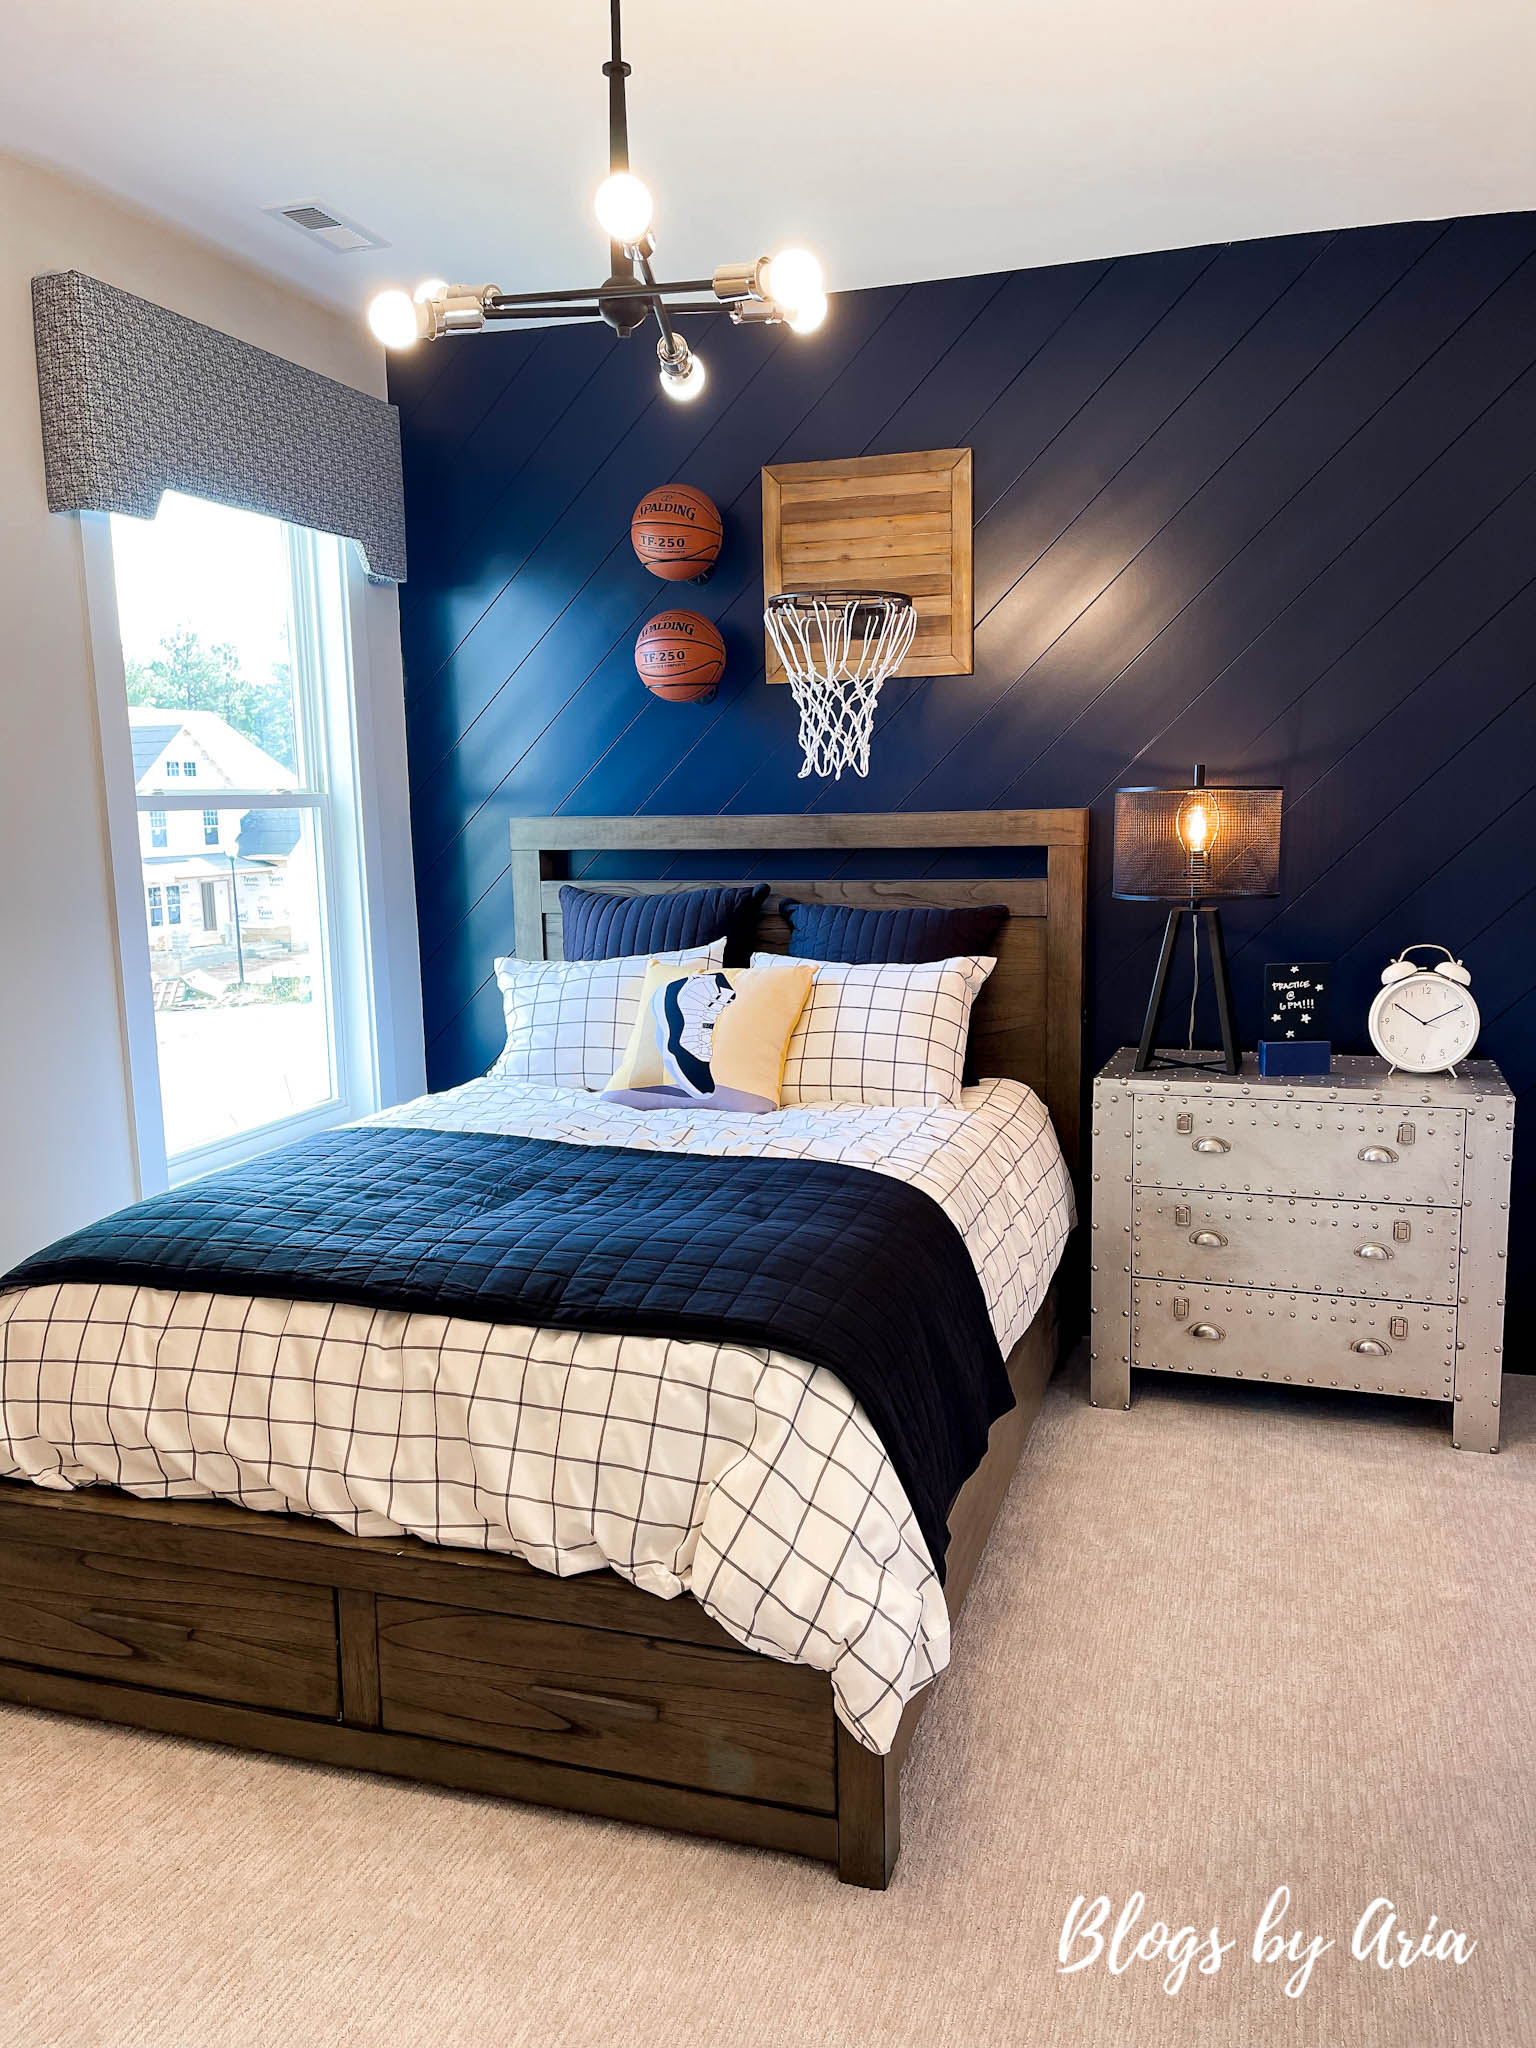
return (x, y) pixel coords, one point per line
(1346, 1151)
(1386, 1254)
(718, 1720)
(171, 1628)
(1307, 1340)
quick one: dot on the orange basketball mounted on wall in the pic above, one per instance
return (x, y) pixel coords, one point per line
(676, 533)
(680, 656)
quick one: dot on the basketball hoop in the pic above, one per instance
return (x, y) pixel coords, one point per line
(838, 647)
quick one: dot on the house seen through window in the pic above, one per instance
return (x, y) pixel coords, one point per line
(236, 681)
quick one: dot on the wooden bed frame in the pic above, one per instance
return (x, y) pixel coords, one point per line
(282, 1634)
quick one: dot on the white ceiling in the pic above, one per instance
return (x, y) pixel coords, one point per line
(899, 141)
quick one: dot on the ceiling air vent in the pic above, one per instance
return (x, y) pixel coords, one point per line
(322, 224)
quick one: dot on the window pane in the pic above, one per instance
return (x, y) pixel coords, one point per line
(203, 597)
(237, 956)
(233, 686)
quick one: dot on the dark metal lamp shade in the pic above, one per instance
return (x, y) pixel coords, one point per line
(1197, 844)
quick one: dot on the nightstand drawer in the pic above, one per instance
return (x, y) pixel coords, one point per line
(1344, 1151)
(1314, 1247)
(1303, 1340)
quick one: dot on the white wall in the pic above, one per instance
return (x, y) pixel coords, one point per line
(66, 1142)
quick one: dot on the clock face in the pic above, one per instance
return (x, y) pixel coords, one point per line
(1424, 1024)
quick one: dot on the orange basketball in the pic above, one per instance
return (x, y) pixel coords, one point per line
(680, 656)
(676, 532)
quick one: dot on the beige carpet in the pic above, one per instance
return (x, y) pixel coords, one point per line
(1224, 1642)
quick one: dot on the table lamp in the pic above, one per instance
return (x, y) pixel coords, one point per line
(1187, 847)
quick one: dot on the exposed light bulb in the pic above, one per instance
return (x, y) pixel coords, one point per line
(392, 316)
(623, 206)
(794, 279)
(1198, 822)
(810, 316)
(429, 288)
(682, 375)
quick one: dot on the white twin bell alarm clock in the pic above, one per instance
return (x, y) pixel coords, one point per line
(1424, 1019)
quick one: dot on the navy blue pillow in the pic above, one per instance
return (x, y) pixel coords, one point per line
(597, 926)
(836, 931)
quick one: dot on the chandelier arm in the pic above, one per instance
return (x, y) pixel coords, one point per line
(658, 303)
(598, 291)
(515, 313)
(684, 284)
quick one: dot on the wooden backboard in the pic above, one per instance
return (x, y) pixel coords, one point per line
(878, 522)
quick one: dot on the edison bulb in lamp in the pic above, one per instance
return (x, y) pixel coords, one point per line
(1197, 824)
(392, 316)
(623, 206)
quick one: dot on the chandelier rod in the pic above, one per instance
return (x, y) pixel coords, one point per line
(495, 314)
(617, 290)
(658, 303)
(616, 71)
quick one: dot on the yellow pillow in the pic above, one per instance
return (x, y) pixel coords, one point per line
(711, 1040)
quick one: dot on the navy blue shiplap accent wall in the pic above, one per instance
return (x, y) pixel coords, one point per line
(1270, 505)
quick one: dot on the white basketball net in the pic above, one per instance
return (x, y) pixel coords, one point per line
(838, 647)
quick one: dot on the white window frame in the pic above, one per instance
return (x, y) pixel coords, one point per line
(371, 937)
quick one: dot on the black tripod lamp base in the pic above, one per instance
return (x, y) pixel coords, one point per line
(1146, 1054)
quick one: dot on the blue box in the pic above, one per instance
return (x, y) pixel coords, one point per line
(1295, 1055)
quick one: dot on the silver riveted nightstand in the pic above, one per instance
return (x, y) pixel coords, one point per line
(1348, 1230)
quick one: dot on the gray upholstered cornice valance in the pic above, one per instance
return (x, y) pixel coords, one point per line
(137, 400)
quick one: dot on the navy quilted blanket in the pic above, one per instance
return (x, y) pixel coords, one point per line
(832, 1264)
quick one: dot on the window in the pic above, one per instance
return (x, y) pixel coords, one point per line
(236, 634)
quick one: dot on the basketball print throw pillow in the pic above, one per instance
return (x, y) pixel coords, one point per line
(715, 1040)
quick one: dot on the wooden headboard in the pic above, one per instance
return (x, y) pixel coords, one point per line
(1028, 1021)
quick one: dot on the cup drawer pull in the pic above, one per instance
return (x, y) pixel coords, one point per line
(1207, 1333)
(1369, 1348)
(1372, 1251)
(1212, 1145)
(109, 1618)
(599, 1706)
(1378, 1155)
(1211, 1239)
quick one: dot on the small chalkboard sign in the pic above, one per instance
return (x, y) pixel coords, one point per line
(1296, 999)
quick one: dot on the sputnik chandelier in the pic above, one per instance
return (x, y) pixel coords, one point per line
(786, 288)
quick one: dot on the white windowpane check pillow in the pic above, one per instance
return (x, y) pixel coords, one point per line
(886, 1033)
(568, 1021)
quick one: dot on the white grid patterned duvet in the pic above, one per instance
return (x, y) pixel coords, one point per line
(742, 1476)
